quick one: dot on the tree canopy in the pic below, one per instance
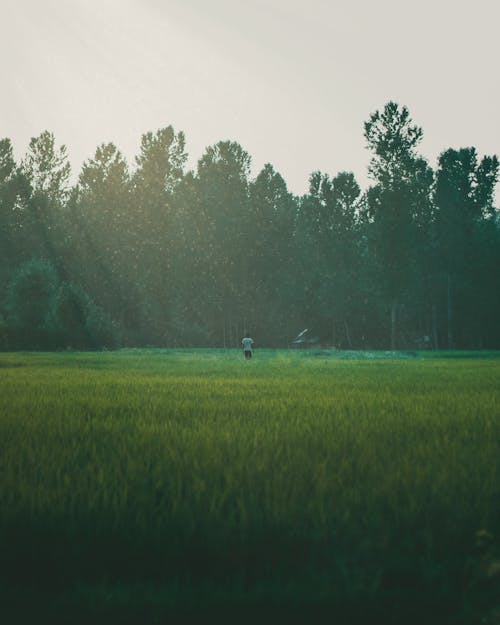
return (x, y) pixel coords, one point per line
(154, 254)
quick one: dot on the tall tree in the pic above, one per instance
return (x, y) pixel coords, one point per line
(464, 199)
(104, 249)
(159, 172)
(328, 235)
(393, 207)
(14, 194)
(223, 188)
(47, 169)
(270, 281)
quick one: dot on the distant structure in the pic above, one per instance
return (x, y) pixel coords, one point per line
(305, 339)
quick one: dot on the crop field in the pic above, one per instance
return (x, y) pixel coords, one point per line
(152, 486)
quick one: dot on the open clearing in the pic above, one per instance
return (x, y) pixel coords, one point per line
(140, 484)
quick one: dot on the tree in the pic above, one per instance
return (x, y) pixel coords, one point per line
(104, 254)
(328, 237)
(69, 316)
(191, 281)
(7, 162)
(270, 280)
(30, 302)
(394, 203)
(160, 171)
(464, 200)
(44, 313)
(47, 170)
(17, 241)
(160, 163)
(223, 187)
(8, 212)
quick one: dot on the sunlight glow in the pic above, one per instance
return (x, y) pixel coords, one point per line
(293, 83)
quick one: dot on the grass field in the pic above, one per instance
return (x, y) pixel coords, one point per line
(146, 485)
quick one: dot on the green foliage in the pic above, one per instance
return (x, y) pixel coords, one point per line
(398, 208)
(393, 138)
(43, 313)
(196, 258)
(30, 300)
(160, 164)
(47, 167)
(463, 198)
(7, 162)
(70, 316)
(4, 333)
(300, 479)
(100, 330)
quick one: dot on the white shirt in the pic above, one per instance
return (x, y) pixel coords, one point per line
(247, 344)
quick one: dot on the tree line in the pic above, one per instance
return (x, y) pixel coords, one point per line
(157, 255)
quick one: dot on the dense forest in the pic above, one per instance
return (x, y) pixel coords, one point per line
(156, 255)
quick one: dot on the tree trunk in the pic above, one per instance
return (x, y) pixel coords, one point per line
(394, 308)
(348, 336)
(449, 313)
(434, 327)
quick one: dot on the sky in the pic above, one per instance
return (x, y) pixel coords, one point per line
(292, 81)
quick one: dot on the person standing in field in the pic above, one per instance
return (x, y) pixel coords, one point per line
(247, 343)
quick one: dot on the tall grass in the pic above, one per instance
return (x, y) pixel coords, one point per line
(299, 479)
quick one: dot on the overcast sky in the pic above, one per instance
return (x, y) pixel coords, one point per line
(292, 81)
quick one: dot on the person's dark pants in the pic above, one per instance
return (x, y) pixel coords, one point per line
(248, 354)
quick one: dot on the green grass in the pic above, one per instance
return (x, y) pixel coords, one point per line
(140, 484)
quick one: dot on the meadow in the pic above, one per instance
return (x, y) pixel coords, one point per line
(142, 485)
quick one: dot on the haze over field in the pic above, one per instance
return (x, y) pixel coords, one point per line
(181, 178)
(291, 81)
(221, 155)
